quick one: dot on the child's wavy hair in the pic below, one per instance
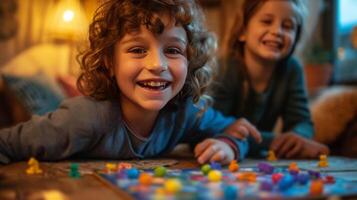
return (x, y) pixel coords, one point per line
(116, 18)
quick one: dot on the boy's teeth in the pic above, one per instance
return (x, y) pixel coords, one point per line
(154, 84)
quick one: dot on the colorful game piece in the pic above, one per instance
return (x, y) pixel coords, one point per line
(265, 168)
(266, 186)
(123, 165)
(110, 167)
(293, 168)
(247, 176)
(205, 169)
(271, 156)
(233, 166)
(73, 171)
(286, 182)
(314, 174)
(275, 178)
(216, 165)
(323, 161)
(302, 178)
(34, 166)
(160, 171)
(329, 179)
(145, 179)
(230, 192)
(173, 186)
(214, 175)
(316, 187)
(133, 173)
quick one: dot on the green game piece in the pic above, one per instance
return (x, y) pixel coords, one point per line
(160, 171)
(74, 173)
(205, 169)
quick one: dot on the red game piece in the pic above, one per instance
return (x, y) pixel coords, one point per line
(329, 179)
(276, 177)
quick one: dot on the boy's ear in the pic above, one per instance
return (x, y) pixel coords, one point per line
(242, 37)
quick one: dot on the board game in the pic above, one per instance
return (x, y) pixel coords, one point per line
(261, 181)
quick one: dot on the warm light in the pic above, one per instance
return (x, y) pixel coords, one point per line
(68, 15)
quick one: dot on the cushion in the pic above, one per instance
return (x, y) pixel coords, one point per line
(332, 111)
(38, 93)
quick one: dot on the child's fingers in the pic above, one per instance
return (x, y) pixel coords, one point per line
(295, 151)
(240, 132)
(218, 156)
(200, 147)
(286, 146)
(277, 143)
(207, 154)
(254, 132)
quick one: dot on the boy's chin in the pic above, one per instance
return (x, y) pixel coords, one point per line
(154, 105)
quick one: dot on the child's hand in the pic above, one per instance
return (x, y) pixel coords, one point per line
(242, 128)
(213, 150)
(291, 145)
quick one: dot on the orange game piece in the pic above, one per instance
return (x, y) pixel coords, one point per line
(247, 176)
(111, 167)
(323, 161)
(293, 167)
(124, 165)
(233, 166)
(145, 179)
(316, 187)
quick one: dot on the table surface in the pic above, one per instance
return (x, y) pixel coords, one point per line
(16, 184)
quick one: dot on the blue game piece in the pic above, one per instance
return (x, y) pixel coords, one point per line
(133, 173)
(265, 168)
(286, 182)
(302, 178)
(266, 185)
(215, 166)
(230, 192)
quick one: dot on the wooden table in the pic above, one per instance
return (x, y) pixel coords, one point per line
(16, 184)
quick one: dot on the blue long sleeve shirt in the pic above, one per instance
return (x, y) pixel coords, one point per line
(285, 97)
(86, 128)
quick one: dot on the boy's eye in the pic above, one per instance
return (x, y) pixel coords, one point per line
(173, 50)
(266, 21)
(137, 50)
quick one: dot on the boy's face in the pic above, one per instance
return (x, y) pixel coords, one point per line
(151, 69)
(271, 31)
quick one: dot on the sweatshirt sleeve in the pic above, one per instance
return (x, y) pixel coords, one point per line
(296, 116)
(54, 136)
(211, 124)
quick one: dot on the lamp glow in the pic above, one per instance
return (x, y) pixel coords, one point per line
(68, 15)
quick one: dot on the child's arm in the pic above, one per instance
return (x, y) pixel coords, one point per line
(297, 127)
(54, 136)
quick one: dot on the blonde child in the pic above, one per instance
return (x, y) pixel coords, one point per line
(261, 81)
(144, 78)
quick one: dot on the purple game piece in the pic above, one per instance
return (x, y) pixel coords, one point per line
(266, 186)
(314, 174)
(265, 168)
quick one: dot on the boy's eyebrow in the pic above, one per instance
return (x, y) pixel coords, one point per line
(139, 38)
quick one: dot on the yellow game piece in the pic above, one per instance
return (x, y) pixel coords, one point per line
(173, 186)
(34, 166)
(233, 166)
(54, 194)
(111, 167)
(160, 194)
(214, 175)
(271, 156)
(323, 161)
(145, 179)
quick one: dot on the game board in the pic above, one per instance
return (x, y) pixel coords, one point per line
(241, 184)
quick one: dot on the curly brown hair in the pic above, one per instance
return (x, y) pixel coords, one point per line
(116, 18)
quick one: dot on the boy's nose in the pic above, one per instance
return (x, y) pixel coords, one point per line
(277, 30)
(156, 62)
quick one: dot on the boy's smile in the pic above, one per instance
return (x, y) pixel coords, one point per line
(271, 31)
(151, 69)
